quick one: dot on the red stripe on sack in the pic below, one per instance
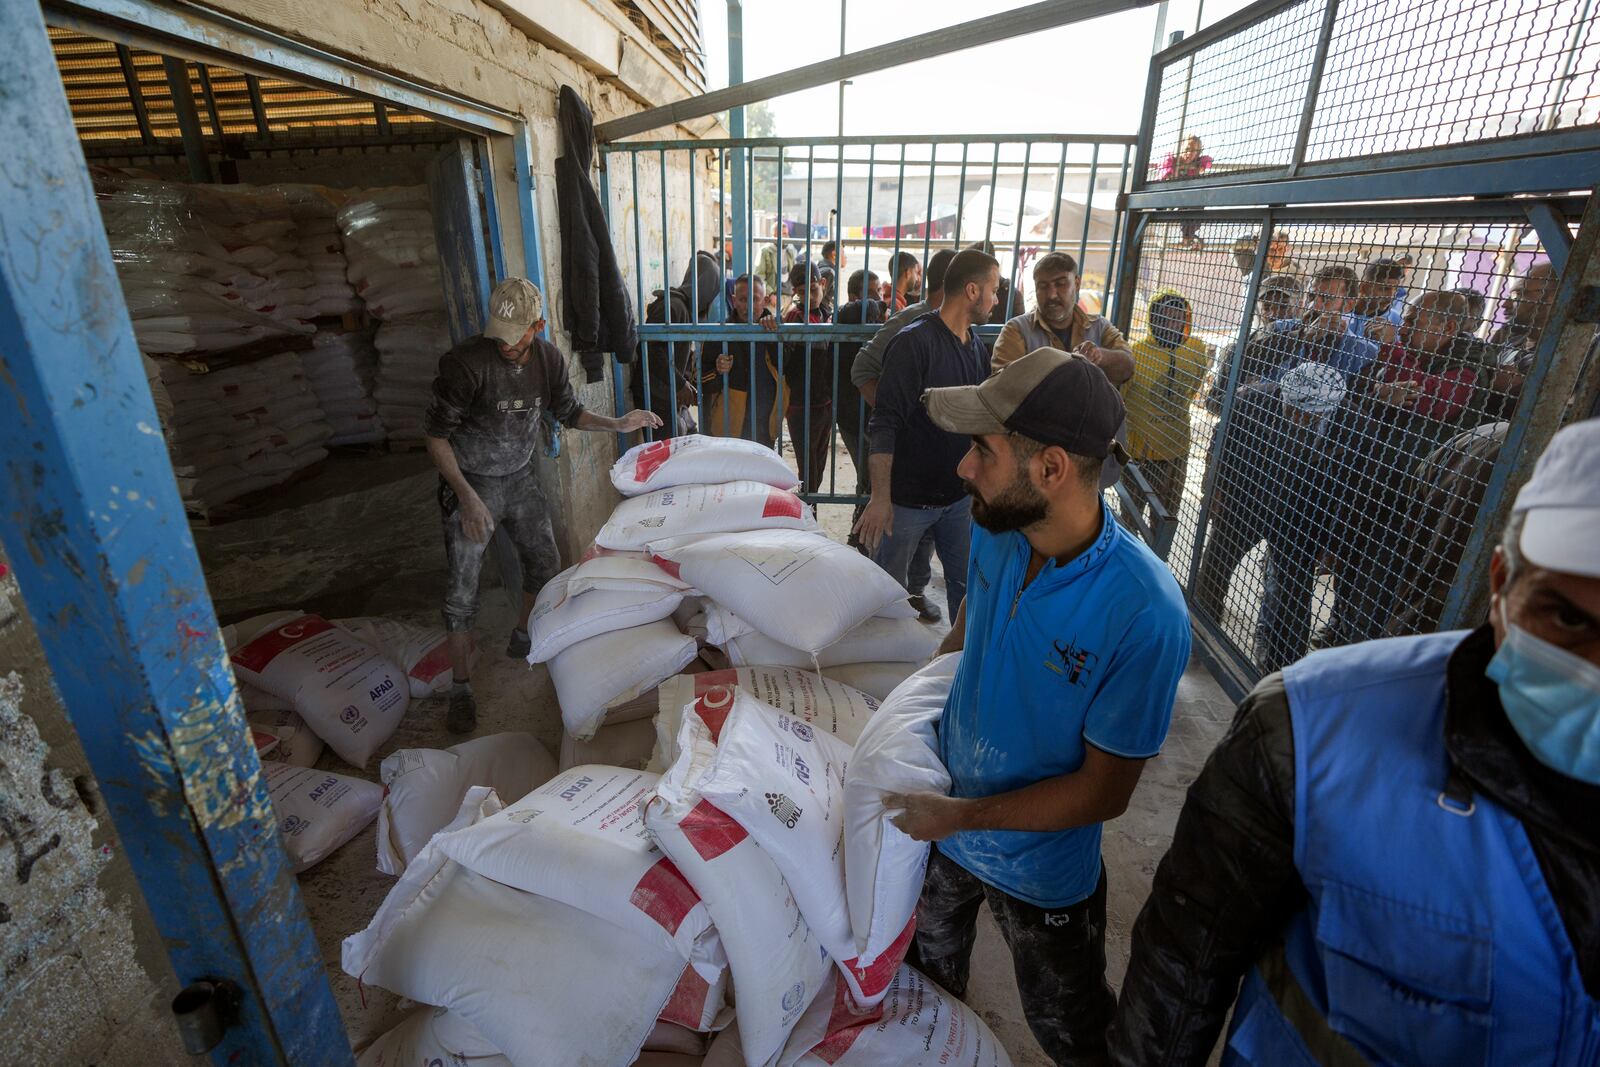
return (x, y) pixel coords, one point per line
(845, 1024)
(435, 663)
(710, 832)
(876, 978)
(264, 649)
(781, 504)
(651, 459)
(713, 706)
(667, 565)
(706, 681)
(687, 1005)
(663, 895)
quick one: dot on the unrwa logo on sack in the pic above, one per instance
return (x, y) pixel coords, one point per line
(785, 810)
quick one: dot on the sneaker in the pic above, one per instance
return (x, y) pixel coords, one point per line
(927, 610)
(519, 645)
(462, 718)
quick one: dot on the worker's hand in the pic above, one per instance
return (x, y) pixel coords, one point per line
(724, 363)
(1397, 394)
(638, 419)
(1382, 331)
(876, 522)
(925, 816)
(476, 522)
(1089, 351)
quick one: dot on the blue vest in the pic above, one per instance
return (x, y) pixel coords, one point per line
(1430, 936)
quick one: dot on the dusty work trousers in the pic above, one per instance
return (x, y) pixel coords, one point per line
(1059, 955)
(517, 504)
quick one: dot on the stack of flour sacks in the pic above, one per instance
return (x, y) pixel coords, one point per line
(711, 561)
(751, 905)
(307, 683)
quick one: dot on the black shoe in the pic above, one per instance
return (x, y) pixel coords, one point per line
(462, 718)
(519, 645)
(927, 610)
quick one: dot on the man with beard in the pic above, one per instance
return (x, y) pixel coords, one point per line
(1058, 322)
(912, 464)
(1073, 638)
(1321, 335)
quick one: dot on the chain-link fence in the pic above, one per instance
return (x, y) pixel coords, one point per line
(1319, 404)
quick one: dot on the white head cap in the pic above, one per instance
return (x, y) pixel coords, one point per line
(1562, 503)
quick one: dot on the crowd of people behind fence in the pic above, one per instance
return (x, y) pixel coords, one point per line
(1365, 415)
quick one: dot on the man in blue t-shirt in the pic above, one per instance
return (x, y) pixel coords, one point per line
(1074, 637)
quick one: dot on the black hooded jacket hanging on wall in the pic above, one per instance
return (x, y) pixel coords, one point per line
(595, 301)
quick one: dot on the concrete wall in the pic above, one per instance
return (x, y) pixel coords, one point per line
(83, 975)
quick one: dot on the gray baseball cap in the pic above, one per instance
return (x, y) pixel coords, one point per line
(1049, 395)
(514, 306)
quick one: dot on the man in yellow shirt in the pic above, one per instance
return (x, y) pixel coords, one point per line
(1169, 368)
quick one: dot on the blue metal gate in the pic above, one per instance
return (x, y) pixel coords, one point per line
(1390, 191)
(881, 202)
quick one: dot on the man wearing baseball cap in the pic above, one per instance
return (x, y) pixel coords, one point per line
(1396, 848)
(482, 428)
(1074, 637)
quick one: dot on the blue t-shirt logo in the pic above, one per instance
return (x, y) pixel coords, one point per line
(1076, 663)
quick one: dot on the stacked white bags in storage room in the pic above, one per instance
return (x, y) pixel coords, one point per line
(236, 429)
(201, 271)
(394, 266)
(745, 898)
(341, 366)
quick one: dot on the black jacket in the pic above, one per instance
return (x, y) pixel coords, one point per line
(594, 297)
(1228, 885)
(672, 367)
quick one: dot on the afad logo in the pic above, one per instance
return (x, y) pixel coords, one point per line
(801, 771)
(784, 810)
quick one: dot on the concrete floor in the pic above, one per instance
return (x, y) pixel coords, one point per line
(362, 537)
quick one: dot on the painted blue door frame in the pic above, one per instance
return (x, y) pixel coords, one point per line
(97, 534)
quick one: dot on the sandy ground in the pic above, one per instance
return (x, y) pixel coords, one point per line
(362, 538)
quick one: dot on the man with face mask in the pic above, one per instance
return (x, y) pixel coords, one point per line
(1073, 638)
(1396, 846)
(482, 428)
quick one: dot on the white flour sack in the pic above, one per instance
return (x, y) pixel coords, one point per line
(875, 679)
(783, 781)
(875, 640)
(431, 1037)
(896, 753)
(348, 692)
(834, 707)
(297, 745)
(917, 1025)
(423, 787)
(695, 459)
(777, 963)
(317, 811)
(580, 839)
(423, 651)
(560, 619)
(797, 587)
(614, 667)
(543, 982)
(681, 510)
(613, 572)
